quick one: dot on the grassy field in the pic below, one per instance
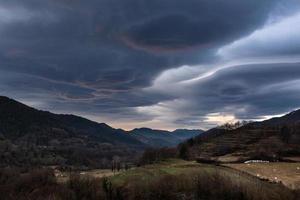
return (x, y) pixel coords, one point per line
(151, 172)
(186, 168)
(287, 173)
(170, 167)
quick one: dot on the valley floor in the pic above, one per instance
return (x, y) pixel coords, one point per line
(172, 179)
(280, 172)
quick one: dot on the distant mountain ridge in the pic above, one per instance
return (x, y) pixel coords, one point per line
(161, 138)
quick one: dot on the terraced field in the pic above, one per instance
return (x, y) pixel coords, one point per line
(286, 173)
(239, 142)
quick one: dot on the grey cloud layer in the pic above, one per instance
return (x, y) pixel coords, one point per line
(98, 56)
(252, 87)
(243, 91)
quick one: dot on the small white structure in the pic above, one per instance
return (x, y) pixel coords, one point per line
(256, 161)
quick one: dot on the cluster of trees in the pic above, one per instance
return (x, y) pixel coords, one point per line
(115, 165)
(118, 164)
(152, 155)
(234, 125)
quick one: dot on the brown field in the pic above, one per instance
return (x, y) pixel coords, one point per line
(99, 173)
(286, 173)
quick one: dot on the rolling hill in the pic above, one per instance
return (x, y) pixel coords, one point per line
(273, 139)
(18, 120)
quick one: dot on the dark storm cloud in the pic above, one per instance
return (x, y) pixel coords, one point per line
(202, 24)
(97, 56)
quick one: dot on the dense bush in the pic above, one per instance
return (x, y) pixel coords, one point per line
(151, 155)
(35, 184)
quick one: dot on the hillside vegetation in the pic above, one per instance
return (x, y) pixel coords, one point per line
(274, 139)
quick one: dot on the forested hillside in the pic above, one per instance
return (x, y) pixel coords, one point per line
(30, 137)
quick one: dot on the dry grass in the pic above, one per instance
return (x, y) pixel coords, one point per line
(99, 173)
(63, 177)
(229, 158)
(287, 173)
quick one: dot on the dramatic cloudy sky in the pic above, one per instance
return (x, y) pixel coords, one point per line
(158, 63)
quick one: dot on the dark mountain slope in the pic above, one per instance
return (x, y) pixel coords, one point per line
(32, 137)
(290, 118)
(17, 119)
(271, 139)
(100, 131)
